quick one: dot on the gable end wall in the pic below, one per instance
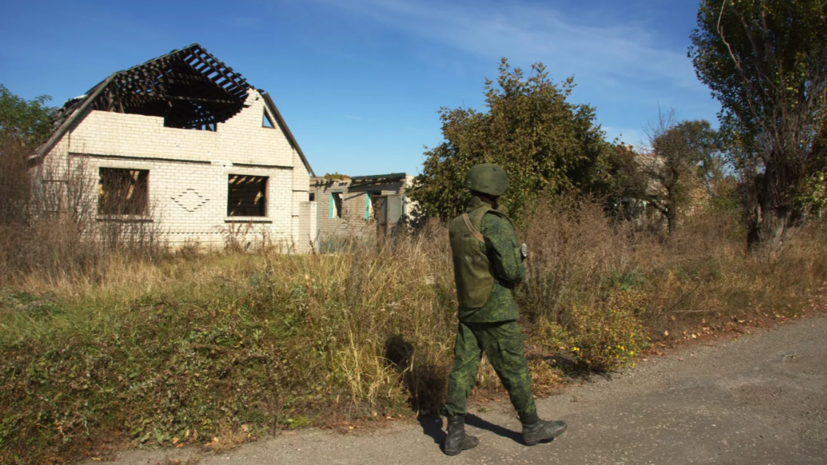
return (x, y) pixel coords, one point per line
(189, 169)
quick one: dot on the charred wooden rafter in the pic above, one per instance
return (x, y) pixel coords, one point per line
(190, 88)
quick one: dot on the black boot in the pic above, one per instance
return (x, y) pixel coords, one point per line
(536, 430)
(457, 441)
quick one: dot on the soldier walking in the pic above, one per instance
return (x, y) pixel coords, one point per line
(488, 264)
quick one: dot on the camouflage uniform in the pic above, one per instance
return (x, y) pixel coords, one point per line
(493, 328)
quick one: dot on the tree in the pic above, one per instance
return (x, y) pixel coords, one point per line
(764, 60)
(543, 142)
(23, 126)
(684, 156)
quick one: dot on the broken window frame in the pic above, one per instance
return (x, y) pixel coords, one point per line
(258, 209)
(133, 198)
(369, 203)
(337, 203)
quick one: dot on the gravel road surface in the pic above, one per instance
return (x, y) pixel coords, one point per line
(761, 399)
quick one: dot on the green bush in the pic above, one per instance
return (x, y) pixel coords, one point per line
(600, 337)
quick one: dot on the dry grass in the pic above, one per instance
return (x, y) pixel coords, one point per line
(150, 351)
(190, 347)
(702, 274)
(50, 227)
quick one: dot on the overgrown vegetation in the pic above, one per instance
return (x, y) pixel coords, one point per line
(233, 345)
(549, 147)
(685, 167)
(52, 214)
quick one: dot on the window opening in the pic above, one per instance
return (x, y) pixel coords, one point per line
(246, 195)
(267, 122)
(336, 205)
(123, 191)
(312, 196)
(369, 204)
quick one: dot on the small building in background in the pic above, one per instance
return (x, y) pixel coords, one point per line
(359, 208)
(186, 143)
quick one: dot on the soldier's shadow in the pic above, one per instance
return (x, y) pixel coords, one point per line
(432, 426)
(426, 385)
(477, 422)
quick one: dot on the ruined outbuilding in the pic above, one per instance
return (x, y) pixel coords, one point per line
(363, 208)
(185, 141)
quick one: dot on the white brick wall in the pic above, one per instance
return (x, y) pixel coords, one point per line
(189, 169)
(307, 225)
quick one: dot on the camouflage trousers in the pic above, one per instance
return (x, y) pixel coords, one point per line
(502, 343)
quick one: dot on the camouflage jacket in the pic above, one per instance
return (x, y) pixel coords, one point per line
(503, 252)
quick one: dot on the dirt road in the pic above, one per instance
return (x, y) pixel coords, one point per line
(761, 399)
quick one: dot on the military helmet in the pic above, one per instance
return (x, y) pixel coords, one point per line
(487, 178)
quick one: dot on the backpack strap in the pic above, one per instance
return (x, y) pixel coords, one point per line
(478, 235)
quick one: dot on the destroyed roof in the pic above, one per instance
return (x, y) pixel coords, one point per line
(375, 178)
(189, 87)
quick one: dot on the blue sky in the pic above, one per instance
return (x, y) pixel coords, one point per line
(360, 82)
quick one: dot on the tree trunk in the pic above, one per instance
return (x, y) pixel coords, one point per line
(769, 218)
(767, 228)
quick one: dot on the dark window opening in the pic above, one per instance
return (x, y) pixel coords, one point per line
(123, 191)
(369, 196)
(246, 195)
(267, 122)
(312, 196)
(336, 205)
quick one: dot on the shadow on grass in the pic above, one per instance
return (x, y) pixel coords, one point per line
(425, 383)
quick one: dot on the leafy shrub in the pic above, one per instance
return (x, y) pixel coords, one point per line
(599, 337)
(608, 335)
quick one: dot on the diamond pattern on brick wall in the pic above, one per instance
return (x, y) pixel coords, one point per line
(190, 200)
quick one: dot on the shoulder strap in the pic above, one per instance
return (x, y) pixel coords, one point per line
(478, 235)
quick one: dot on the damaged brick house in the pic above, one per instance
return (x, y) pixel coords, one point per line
(360, 207)
(185, 141)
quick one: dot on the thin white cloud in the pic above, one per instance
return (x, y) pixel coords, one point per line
(527, 33)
